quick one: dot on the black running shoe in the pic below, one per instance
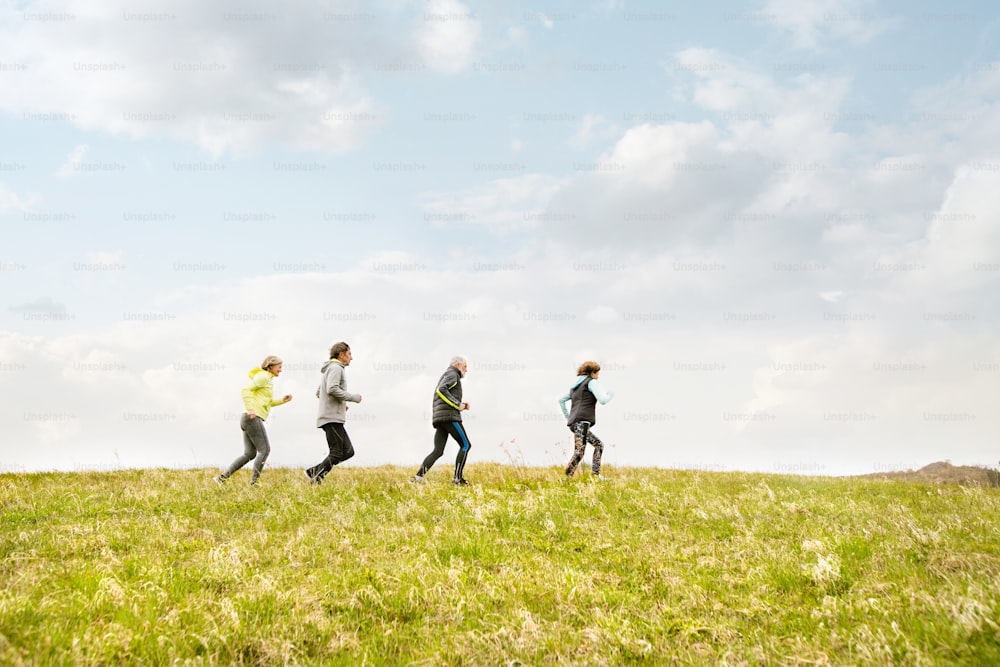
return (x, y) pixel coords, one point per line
(460, 482)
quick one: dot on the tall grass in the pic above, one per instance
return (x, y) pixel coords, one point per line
(649, 567)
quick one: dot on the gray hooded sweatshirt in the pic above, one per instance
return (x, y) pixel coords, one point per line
(333, 395)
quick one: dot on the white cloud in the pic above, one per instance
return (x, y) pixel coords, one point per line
(43, 304)
(750, 99)
(833, 296)
(502, 205)
(960, 251)
(590, 127)
(10, 200)
(770, 170)
(200, 75)
(657, 183)
(609, 6)
(448, 37)
(811, 23)
(603, 315)
(71, 166)
(541, 18)
(515, 36)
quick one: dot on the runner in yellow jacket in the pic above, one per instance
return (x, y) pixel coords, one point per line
(258, 399)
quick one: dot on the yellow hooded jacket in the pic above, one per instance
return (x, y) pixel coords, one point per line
(259, 395)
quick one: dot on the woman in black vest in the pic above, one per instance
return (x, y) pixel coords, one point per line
(585, 394)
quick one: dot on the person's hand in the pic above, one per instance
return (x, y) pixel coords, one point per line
(288, 397)
(359, 398)
(251, 414)
(463, 406)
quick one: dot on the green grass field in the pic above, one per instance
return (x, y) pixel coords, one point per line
(650, 567)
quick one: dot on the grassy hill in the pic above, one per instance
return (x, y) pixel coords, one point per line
(943, 472)
(650, 567)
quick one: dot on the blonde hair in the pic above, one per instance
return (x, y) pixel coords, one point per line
(588, 367)
(270, 360)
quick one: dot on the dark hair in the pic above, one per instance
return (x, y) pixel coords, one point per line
(588, 367)
(338, 349)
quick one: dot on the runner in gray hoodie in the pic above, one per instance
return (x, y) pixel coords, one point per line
(333, 396)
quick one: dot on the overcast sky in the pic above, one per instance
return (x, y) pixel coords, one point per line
(776, 225)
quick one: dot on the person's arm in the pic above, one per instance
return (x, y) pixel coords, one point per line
(275, 401)
(599, 393)
(449, 380)
(563, 400)
(334, 377)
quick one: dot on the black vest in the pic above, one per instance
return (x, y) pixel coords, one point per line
(584, 404)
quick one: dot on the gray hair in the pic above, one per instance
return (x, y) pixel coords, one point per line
(458, 359)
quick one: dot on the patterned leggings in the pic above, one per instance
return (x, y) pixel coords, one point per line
(580, 444)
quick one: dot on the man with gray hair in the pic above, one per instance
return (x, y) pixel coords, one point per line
(446, 417)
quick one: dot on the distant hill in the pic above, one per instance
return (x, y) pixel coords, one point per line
(942, 472)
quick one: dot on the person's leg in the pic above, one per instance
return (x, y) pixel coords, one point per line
(341, 449)
(312, 472)
(440, 438)
(458, 432)
(595, 466)
(249, 449)
(319, 471)
(259, 437)
(345, 449)
(579, 444)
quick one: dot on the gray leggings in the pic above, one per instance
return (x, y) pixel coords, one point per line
(255, 447)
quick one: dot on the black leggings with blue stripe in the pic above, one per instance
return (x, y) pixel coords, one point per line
(441, 433)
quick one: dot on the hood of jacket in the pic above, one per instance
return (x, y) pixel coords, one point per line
(253, 371)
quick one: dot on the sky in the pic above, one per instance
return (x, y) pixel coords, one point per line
(775, 224)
